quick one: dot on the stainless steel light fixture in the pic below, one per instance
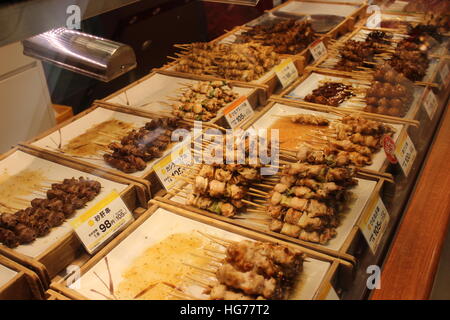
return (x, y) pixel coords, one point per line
(82, 53)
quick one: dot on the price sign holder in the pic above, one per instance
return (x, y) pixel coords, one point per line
(430, 103)
(168, 167)
(443, 73)
(286, 72)
(102, 222)
(238, 112)
(374, 224)
(405, 152)
(318, 49)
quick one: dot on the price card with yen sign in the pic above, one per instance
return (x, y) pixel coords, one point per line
(238, 112)
(318, 49)
(430, 103)
(169, 167)
(286, 72)
(374, 224)
(100, 223)
(405, 152)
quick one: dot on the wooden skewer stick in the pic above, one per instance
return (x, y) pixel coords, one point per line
(258, 191)
(263, 185)
(216, 239)
(252, 203)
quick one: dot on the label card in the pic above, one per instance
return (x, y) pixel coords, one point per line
(443, 73)
(99, 224)
(318, 49)
(168, 167)
(374, 224)
(430, 104)
(405, 152)
(238, 112)
(286, 72)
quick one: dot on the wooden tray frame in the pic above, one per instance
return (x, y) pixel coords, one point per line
(61, 253)
(146, 181)
(270, 85)
(344, 27)
(53, 295)
(343, 253)
(256, 97)
(355, 16)
(337, 268)
(25, 285)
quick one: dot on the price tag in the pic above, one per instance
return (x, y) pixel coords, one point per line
(101, 222)
(318, 49)
(238, 112)
(375, 223)
(430, 104)
(405, 152)
(286, 72)
(168, 167)
(443, 73)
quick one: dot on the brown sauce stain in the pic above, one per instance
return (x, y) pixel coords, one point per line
(97, 138)
(161, 266)
(20, 186)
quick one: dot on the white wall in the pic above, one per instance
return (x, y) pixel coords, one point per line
(25, 105)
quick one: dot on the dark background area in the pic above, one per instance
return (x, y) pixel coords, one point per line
(150, 28)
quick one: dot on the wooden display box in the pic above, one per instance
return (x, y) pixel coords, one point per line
(53, 295)
(153, 91)
(18, 282)
(278, 107)
(352, 12)
(326, 278)
(344, 27)
(268, 81)
(338, 249)
(78, 125)
(48, 255)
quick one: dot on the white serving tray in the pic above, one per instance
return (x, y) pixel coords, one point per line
(81, 125)
(361, 195)
(261, 80)
(278, 109)
(159, 226)
(148, 94)
(6, 275)
(313, 82)
(19, 161)
(310, 8)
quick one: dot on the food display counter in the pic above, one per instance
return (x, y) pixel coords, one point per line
(298, 156)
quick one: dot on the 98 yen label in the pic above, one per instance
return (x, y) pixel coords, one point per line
(100, 223)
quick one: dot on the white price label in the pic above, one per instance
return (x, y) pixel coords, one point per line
(238, 112)
(286, 72)
(430, 103)
(101, 222)
(375, 223)
(168, 167)
(318, 49)
(405, 152)
(443, 73)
